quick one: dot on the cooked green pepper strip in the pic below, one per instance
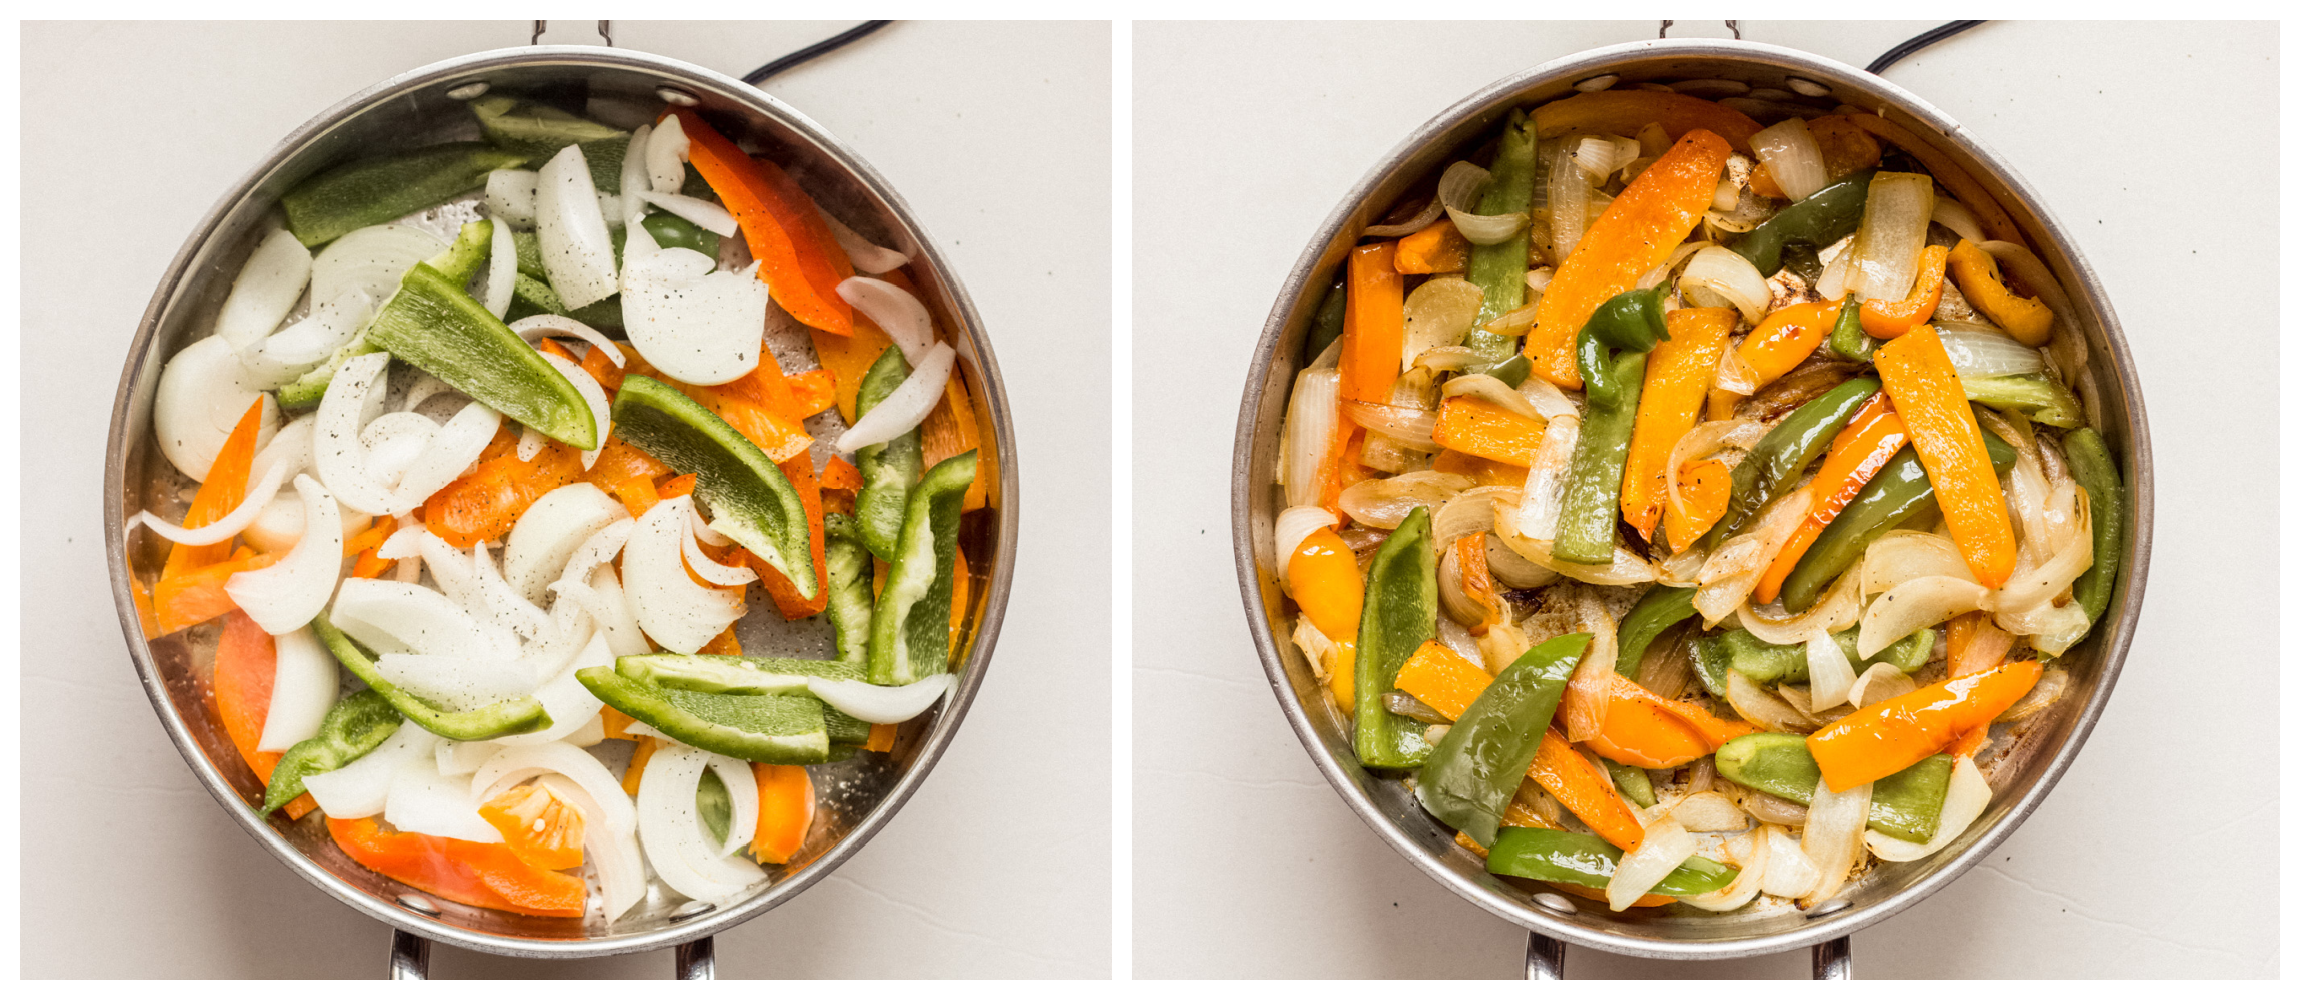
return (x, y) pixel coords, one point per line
(2095, 470)
(1899, 493)
(1710, 661)
(750, 501)
(1499, 269)
(433, 325)
(357, 724)
(461, 260)
(1480, 762)
(1660, 608)
(847, 563)
(1585, 521)
(1782, 454)
(1585, 859)
(1906, 805)
(1514, 371)
(1630, 321)
(889, 469)
(1326, 326)
(1828, 215)
(1847, 339)
(671, 231)
(910, 629)
(1400, 614)
(1767, 663)
(1802, 259)
(768, 728)
(1634, 784)
(365, 192)
(2037, 396)
(507, 718)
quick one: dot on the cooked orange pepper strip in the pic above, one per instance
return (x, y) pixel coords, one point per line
(1472, 425)
(1924, 387)
(225, 488)
(1373, 325)
(1585, 892)
(786, 810)
(1677, 373)
(1866, 443)
(1341, 468)
(241, 691)
(1782, 342)
(1705, 488)
(1442, 679)
(1322, 575)
(1634, 235)
(1761, 182)
(1643, 729)
(1438, 248)
(800, 273)
(1624, 112)
(1971, 743)
(1477, 468)
(1976, 643)
(1886, 320)
(1891, 735)
(1477, 579)
(1844, 146)
(2028, 320)
(1585, 791)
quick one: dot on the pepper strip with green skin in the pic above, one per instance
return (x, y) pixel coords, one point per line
(671, 231)
(1634, 784)
(1499, 269)
(1660, 608)
(1906, 805)
(506, 718)
(1710, 661)
(748, 675)
(1482, 760)
(890, 468)
(910, 629)
(1400, 614)
(1628, 324)
(534, 130)
(1767, 663)
(365, 192)
(1326, 326)
(433, 325)
(461, 260)
(1847, 339)
(847, 563)
(1632, 321)
(749, 499)
(1587, 860)
(1514, 371)
(714, 805)
(355, 725)
(1828, 215)
(1782, 454)
(767, 728)
(2037, 396)
(1899, 493)
(2095, 470)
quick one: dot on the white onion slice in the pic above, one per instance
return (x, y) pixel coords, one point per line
(671, 830)
(534, 328)
(1883, 259)
(1312, 414)
(1967, 797)
(666, 152)
(1666, 845)
(868, 257)
(281, 358)
(391, 617)
(695, 210)
(452, 449)
(907, 406)
(672, 609)
(698, 325)
(1295, 524)
(290, 448)
(458, 759)
(550, 532)
(634, 181)
(511, 196)
(516, 764)
(1789, 150)
(1385, 503)
(354, 397)
(1458, 191)
(373, 259)
(711, 570)
(230, 524)
(1789, 872)
(1902, 556)
(1493, 390)
(361, 788)
(897, 312)
(502, 267)
(1544, 497)
(1982, 351)
(570, 705)
(881, 705)
(1404, 426)
(1833, 826)
(1732, 571)
(1952, 215)
(1920, 603)
(505, 605)
(704, 533)
(393, 442)
(597, 550)
(742, 787)
(303, 689)
(288, 594)
(265, 290)
(422, 800)
(572, 232)
(1745, 885)
(1832, 673)
(604, 600)
(1881, 682)
(1731, 277)
(594, 395)
(203, 393)
(1570, 192)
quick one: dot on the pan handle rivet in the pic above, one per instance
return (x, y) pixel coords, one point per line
(1554, 901)
(674, 95)
(412, 901)
(690, 911)
(468, 91)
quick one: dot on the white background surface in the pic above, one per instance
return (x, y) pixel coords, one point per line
(998, 137)
(2155, 856)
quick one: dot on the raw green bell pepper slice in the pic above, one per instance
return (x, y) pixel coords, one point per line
(2095, 470)
(910, 629)
(714, 805)
(749, 499)
(462, 258)
(433, 325)
(748, 675)
(1782, 454)
(889, 469)
(1655, 612)
(767, 728)
(355, 725)
(1899, 492)
(1905, 805)
(537, 131)
(671, 231)
(365, 192)
(1400, 614)
(847, 564)
(508, 718)
(1499, 270)
(1482, 760)
(1587, 860)
(1823, 218)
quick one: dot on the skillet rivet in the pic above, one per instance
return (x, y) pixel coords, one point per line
(690, 911)
(1553, 901)
(412, 901)
(468, 91)
(1597, 83)
(674, 95)
(1808, 88)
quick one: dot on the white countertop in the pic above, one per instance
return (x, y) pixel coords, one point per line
(998, 137)
(2155, 856)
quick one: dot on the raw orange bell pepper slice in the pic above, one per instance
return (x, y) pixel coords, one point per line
(726, 643)
(1442, 679)
(1634, 235)
(539, 827)
(1625, 111)
(1866, 443)
(1677, 374)
(800, 470)
(800, 271)
(619, 461)
(1924, 387)
(2028, 320)
(1891, 735)
(812, 392)
(950, 429)
(1886, 320)
(1322, 575)
(840, 474)
(1438, 248)
(1474, 426)
(1705, 488)
(194, 596)
(485, 503)
(786, 810)
(241, 691)
(1782, 342)
(849, 358)
(1479, 469)
(226, 487)
(464, 871)
(1585, 791)
(1373, 325)
(961, 585)
(637, 769)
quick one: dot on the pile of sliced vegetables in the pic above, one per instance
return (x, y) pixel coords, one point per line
(480, 504)
(1688, 496)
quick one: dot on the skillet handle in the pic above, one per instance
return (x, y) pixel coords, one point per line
(1545, 958)
(411, 958)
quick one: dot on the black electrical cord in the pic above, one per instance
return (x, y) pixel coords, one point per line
(755, 76)
(1910, 47)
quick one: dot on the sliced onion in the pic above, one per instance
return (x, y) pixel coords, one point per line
(1421, 219)
(1701, 442)
(290, 449)
(1837, 610)
(1920, 603)
(1543, 499)
(1315, 647)
(534, 328)
(1384, 503)
(511, 196)
(742, 801)
(587, 386)
(1495, 391)
(672, 609)
(1968, 796)
(907, 406)
(288, 594)
(1731, 277)
(303, 689)
(458, 683)
(868, 257)
(711, 570)
(2049, 687)
(1458, 190)
(203, 393)
(1665, 846)
(1981, 351)
(613, 855)
(354, 396)
(603, 599)
(1456, 638)
(695, 210)
(1514, 571)
(1881, 682)
(266, 289)
(392, 617)
(666, 155)
(422, 800)
(1589, 692)
(1708, 812)
(1626, 569)
(1952, 215)
(458, 759)
(1833, 826)
(597, 550)
(2039, 587)
(1733, 570)
(240, 518)
(1901, 556)
(633, 182)
(879, 705)
(1789, 871)
(1746, 884)
(1884, 255)
(896, 311)
(1439, 314)
(1789, 150)
(571, 231)
(1407, 427)
(451, 450)
(1469, 513)
(393, 442)
(1312, 415)
(671, 830)
(1570, 193)
(698, 325)
(516, 764)
(505, 606)
(1762, 708)
(1295, 524)
(1601, 155)
(549, 533)
(1832, 673)
(451, 572)
(502, 267)
(362, 788)
(280, 523)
